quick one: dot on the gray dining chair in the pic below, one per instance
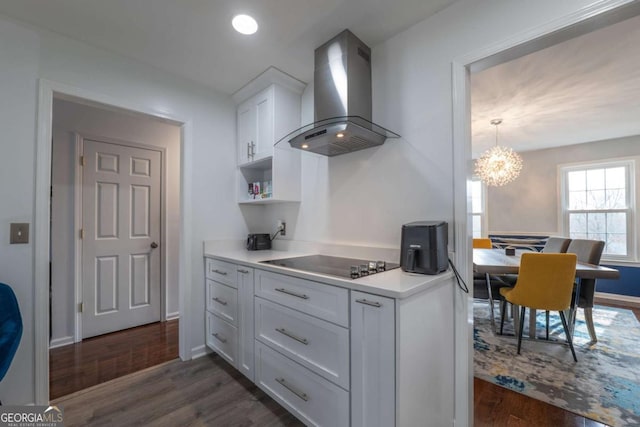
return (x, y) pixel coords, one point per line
(589, 251)
(556, 245)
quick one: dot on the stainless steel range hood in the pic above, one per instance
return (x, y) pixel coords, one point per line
(342, 101)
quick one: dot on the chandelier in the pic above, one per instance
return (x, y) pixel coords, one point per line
(498, 165)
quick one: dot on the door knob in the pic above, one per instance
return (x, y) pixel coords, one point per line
(154, 245)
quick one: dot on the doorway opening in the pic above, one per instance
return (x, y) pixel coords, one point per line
(114, 243)
(464, 69)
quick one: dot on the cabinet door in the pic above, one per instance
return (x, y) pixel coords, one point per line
(222, 337)
(264, 113)
(246, 131)
(245, 316)
(372, 360)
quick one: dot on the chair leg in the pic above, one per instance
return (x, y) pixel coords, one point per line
(493, 322)
(516, 317)
(568, 334)
(521, 328)
(503, 310)
(588, 318)
(547, 318)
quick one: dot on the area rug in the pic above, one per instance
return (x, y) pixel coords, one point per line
(605, 383)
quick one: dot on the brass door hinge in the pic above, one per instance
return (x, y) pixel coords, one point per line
(81, 233)
(81, 160)
(81, 307)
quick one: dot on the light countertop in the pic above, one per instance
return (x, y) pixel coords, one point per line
(393, 283)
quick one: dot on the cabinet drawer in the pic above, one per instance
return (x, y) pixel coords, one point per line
(223, 301)
(318, 345)
(309, 397)
(221, 271)
(222, 337)
(317, 299)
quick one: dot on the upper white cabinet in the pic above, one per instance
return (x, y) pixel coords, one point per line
(268, 109)
(256, 127)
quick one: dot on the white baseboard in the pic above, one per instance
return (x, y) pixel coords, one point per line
(199, 351)
(60, 342)
(617, 299)
(173, 316)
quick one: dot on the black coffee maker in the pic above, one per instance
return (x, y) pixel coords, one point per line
(423, 248)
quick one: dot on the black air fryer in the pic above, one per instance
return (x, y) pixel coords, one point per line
(423, 248)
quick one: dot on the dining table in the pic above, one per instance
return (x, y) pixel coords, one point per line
(497, 262)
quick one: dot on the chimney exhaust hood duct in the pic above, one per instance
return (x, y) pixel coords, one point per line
(342, 101)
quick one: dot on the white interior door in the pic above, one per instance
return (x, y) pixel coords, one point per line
(121, 234)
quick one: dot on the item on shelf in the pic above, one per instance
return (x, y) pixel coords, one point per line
(266, 189)
(256, 190)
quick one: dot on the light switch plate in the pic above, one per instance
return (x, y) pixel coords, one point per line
(19, 232)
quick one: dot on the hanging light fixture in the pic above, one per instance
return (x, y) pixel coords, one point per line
(498, 165)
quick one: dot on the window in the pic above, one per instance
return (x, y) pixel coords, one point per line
(477, 208)
(597, 202)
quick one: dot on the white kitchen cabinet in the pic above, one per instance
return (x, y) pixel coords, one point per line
(269, 109)
(316, 344)
(334, 355)
(222, 300)
(229, 313)
(222, 337)
(326, 302)
(255, 126)
(245, 316)
(372, 360)
(311, 398)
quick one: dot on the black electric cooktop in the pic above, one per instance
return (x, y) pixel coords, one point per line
(349, 268)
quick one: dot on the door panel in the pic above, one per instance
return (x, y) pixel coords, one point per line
(107, 284)
(140, 285)
(106, 210)
(140, 201)
(264, 124)
(121, 220)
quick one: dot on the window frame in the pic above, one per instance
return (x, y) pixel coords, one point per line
(484, 232)
(630, 190)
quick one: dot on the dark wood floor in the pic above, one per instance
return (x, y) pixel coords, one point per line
(208, 391)
(201, 392)
(103, 358)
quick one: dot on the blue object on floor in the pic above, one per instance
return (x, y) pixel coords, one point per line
(10, 327)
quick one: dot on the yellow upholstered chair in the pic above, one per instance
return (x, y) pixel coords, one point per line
(482, 243)
(545, 282)
(484, 286)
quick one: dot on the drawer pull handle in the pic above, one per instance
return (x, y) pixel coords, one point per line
(243, 271)
(301, 395)
(224, 273)
(367, 302)
(219, 338)
(283, 331)
(219, 301)
(293, 294)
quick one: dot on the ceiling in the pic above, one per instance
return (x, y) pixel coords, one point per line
(582, 90)
(194, 38)
(585, 89)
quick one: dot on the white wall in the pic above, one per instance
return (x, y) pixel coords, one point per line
(25, 56)
(70, 117)
(366, 196)
(530, 203)
(18, 74)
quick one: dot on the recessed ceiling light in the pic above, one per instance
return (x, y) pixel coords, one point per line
(244, 24)
(305, 145)
(340, 134)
